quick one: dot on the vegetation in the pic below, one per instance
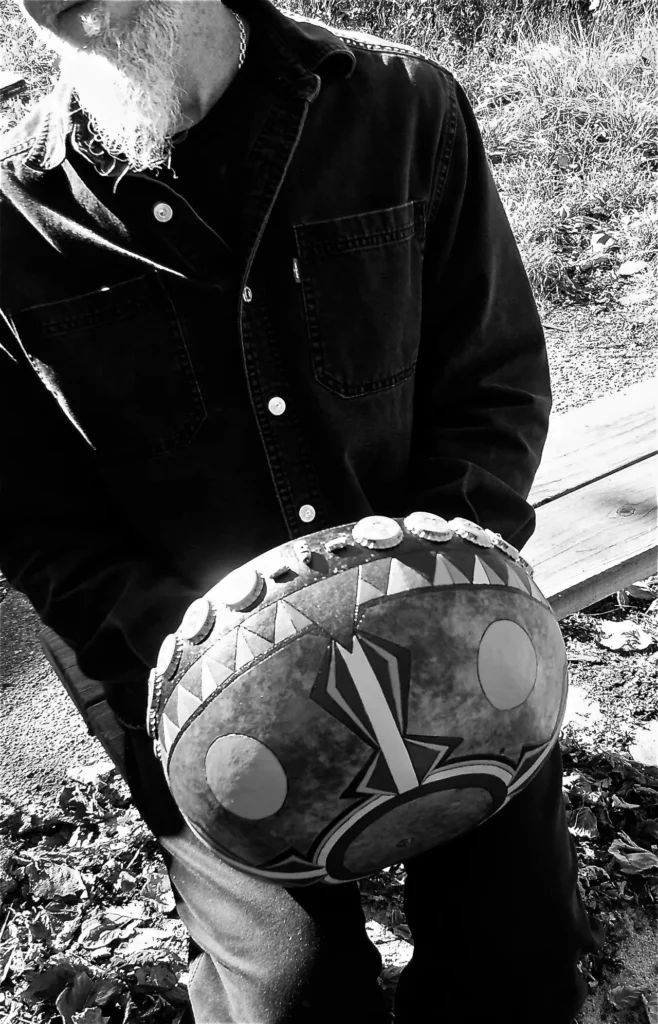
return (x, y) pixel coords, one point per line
(566, 92)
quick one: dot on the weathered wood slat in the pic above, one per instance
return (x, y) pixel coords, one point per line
(11, 84)
(595, 440)
(592, 542)
(88, 695)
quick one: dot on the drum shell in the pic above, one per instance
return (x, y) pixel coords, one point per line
(471, 739)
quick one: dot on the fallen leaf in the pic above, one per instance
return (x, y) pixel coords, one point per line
(158, 888)
(52, 880)
(74, 997)
(103, 931)
(632, 859)
(92, 1015)
(651, 1007)
(5, 962)
(72, 801)
(155, 976)
(584, 823)
(641, 592)
(145, 939)
(601, 241)
(106, 990)
(650, 828)
(621, 804)
(46, 985)
(623, 636)
(134, 911)
(623, 997)
(92, 773)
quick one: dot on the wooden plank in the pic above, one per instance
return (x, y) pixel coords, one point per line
(11, 84)
(88, 695)
(588, 443)
(597, 539)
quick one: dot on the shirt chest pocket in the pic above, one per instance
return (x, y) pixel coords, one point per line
(117, 362)
(361, 280)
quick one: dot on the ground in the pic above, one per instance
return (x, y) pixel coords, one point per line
(87, 929)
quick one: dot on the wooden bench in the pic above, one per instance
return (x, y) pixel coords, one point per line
(595, 497)
(11, 85)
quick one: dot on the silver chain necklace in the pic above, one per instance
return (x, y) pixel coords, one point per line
(243, 39)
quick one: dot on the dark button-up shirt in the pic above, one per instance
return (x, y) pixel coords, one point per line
(374, 286)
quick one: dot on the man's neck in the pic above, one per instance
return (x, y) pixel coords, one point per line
(210, 59)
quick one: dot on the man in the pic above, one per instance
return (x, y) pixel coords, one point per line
(256, 280)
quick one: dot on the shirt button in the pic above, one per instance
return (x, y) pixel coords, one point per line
(247, 294)
(277, 406)
(163, 212)
(307, 513)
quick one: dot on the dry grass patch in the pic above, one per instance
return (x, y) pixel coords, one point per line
(570, 122)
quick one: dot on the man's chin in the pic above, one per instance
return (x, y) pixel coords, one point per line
(131, 118)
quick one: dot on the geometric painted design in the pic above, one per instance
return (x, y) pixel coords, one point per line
(457, 575)
(462, 561)
(376, 573)
(494, 579)
(292, 865)
(442, 574)
(289, 621)
(320, 606)
(364, 683)
(367, 689)
(187, 704)
(243, 652)
(367, 592)
(245, 776)
(284, 627)
(422, 561)
(224, 650)
(298, 619)
(167, 732)
(263, 623)
(536, 592)
(256, 644)
(529, 763)
(403, 578)
(506, 664)
(480, 573)
(514, 580)
(212, 675)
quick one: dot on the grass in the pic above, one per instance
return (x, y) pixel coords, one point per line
(569, 117)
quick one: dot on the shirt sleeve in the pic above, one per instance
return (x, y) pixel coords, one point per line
(64, 547)
(483, 395)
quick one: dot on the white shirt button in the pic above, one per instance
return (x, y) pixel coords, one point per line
(307, 513)
(277, 406)
(247, 294)
(163, 212)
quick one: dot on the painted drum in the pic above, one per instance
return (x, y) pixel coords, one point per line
(355, 706)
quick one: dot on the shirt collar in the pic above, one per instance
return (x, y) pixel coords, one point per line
(302, 54)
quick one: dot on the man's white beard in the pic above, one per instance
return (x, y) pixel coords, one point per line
(126, 81)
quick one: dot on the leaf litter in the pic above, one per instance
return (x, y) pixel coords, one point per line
(88, 933)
